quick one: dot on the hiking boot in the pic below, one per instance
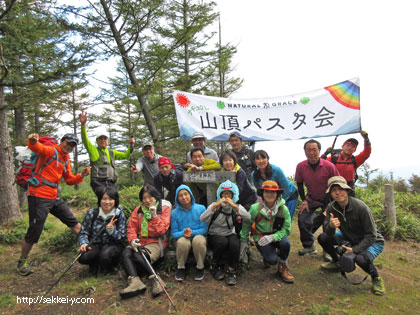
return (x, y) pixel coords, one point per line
(219, 274)
(156, 287)
(135, 287)
(199, 274)
(180, 275)
(332, 265)
(378, 286)
(326, 257)
(23, 267)
(231, 277)
(307, 250)
(285, 273)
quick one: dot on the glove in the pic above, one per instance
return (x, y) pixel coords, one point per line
(365, 137)
(265, 240)
(135, 243)
(152, 211)
(328, 151)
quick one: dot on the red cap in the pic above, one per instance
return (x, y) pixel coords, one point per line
(165, 161)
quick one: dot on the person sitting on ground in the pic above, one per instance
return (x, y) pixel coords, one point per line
(189, 232)
(347, 163)
(350, 220)
(244, 154)
(198, 139)
(270, 225)
(44, 198)
(266, 171)
(222, 238)
(200, 163)
(247, 193)
(168, 177)
(148, 164)
(102, 159)
(148, 223)
(103, 251)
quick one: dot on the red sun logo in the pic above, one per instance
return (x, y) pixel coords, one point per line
(182, 100)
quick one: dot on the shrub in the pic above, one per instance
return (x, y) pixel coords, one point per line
(15, 233)
(61, 242)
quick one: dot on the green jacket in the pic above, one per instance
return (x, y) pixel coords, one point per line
(264, 226)
(95, 153)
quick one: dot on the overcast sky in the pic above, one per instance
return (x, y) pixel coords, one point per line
(287, 47)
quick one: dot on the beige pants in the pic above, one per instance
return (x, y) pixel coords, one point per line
(183, 247)
(154, 251)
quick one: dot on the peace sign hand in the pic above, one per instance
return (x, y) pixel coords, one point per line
(110, 225)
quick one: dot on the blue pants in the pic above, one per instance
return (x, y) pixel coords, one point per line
(271, 255)
(291, 205)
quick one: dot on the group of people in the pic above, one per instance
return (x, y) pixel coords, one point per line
(256, 208)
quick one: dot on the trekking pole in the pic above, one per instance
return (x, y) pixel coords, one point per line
(335, 139)
(156, 276)
(77, 257)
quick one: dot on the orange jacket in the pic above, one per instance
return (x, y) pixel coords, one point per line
(51, 172)
(157, 226)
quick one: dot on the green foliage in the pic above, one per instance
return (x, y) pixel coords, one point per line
(414, 181)
(318, 309)
(15, 233)
(129, 199)
(64, 241)
(7, 300)
(82, 198)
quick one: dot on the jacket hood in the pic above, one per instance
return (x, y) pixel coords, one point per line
(187, 189)
(228, 186)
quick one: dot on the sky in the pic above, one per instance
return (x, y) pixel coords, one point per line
(288, 47)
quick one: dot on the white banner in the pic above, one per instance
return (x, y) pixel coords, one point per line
(333, 110)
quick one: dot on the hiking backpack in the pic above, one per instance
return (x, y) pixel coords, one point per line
(334, 159)
(29, 171)
(236, 219)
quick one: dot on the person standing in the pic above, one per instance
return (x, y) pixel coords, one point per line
(347, 163)
(53, 164)
(245, 155)
(198, 141)
(102, 159)
(314, 174)
(148, 164)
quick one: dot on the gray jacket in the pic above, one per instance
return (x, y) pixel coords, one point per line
(148, 168)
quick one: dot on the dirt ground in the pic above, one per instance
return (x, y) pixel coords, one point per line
(258, 291)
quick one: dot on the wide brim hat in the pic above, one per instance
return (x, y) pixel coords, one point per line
(269, 185)
(337, 180)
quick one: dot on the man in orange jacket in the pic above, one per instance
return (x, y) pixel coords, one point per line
(44, 198)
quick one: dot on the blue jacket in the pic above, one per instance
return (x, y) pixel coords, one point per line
(89, 229)
(182, 219)
(281, 179)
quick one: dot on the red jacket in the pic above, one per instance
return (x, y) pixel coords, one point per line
(158, 226)
(345, 166)
(52, 171)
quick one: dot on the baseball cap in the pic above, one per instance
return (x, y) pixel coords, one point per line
(235, 134)
(147, 145)
(352, 141)
(70, 138)
(198, 135)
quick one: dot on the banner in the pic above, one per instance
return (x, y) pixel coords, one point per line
(333, 110)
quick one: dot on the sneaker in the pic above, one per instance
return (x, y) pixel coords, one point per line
(285, 273)
(199, 274)
(219, 274)
(231, 277)
(307, 250)
(326, 257)
(332, 265)
(378, 286)
(180, 274)
(23, 267)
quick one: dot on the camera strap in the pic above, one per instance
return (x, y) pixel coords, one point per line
(353, 283)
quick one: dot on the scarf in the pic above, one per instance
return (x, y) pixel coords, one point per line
(144, 227)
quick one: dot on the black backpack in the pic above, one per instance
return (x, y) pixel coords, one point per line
(237, 222)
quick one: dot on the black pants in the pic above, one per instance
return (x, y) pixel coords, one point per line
(364, 259)
(100, 185)
(106, 256)
(225, 246)
(308, 223)
(134, 263)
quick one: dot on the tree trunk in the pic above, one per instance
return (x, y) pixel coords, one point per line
(9, 209)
